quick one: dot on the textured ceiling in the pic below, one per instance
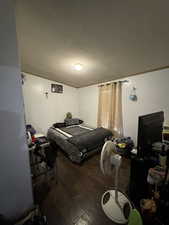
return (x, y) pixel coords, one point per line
(112, 39)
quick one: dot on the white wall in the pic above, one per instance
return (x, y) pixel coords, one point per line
(42, 112)
(15, 179)
(88, 104)
(152, 91)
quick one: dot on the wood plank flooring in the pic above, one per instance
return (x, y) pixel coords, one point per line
(75, 199)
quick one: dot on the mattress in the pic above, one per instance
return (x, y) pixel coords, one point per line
(78, 142)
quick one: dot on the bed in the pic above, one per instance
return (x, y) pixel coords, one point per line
(78, 141)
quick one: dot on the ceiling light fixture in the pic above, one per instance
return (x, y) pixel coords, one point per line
(78, 66)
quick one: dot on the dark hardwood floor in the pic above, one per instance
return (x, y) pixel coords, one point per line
(75, 199)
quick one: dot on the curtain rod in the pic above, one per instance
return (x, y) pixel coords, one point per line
(108, 83)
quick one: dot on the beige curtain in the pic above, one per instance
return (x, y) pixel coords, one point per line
(110, 108)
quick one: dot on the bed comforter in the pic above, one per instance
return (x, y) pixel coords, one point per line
(79, 142)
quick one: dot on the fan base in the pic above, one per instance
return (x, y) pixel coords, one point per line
(116, 211)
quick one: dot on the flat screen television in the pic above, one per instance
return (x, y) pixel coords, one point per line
(150, 129)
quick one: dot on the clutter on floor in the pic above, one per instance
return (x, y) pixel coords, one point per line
(42, 156)
(42, 162)
(155, 208)
(124, 145)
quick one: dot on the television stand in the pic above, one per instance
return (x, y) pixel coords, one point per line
(138, 187)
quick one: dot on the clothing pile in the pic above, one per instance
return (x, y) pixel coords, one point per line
(156, 175)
